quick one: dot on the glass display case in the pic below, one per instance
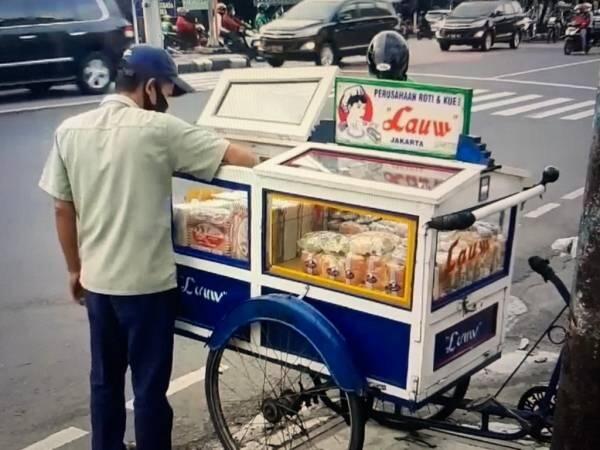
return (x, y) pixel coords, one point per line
(354, 250)
(211, 220)
(471, 257)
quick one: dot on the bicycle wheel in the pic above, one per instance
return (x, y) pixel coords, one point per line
(267, 395)
(440, 408)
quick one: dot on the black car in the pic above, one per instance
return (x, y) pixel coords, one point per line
(481, 24)
(47, 42)
(324, 31)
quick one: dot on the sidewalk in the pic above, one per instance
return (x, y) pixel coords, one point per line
(203, 62)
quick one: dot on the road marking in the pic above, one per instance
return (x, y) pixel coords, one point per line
(503, 80)
(553, 112)
(573, 195)
(59, 439)
(542, 210)
(492, 96)
(581, 115)
(531, 107)
(49, 106)
(480, 91)
(179, 384)
(500, 103)
(541, 69)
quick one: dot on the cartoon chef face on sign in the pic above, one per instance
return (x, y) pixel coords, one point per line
(355, 111)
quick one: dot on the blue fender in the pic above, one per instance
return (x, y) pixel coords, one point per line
(308, 322)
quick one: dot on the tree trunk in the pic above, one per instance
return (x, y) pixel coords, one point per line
(577, 418)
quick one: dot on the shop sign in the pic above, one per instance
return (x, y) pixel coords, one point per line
(167, 8)
(463, 337)
(205, 298)
(195, 5)
(401, 116)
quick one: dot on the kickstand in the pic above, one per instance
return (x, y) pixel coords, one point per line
(415, 438)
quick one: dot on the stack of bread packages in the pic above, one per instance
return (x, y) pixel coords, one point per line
(466, 257)
(216, 223)
(357, 250)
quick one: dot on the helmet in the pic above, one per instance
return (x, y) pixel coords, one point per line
(181, 11)
(388, 55)
(262, 7)
(221, 7)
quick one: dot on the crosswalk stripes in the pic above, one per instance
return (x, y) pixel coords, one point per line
(496, 103)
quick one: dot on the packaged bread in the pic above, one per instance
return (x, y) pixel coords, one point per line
(355, 269)
(209, 229)
(395, 273)
(324, 242)
(334, 225)
(311, 262)
(232, 196)
(284, 230)
(377, 275)
(389, 226)
(332, 267)
(239, 240)
(352, 227)
(373, 243)
(180, 220)
(200, 194)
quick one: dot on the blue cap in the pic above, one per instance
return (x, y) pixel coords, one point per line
(153, 62)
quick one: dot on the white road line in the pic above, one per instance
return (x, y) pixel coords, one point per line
(500, 103)
(59, 439)
(492, 96)
(563, 109)
(542, 210)
(480, 91)
(531, 107)
(179, 384)
(581, 115)
(503, 80)
(573, 195)
(49, 106)
(541, 69)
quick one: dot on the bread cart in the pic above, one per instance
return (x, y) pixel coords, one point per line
(331, 280)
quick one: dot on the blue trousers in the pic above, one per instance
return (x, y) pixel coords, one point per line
(135, 331)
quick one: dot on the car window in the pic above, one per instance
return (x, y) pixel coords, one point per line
(312, 10)
(12, 12)
(53, 11)
(348, 12)
(368, 10)
(474, 9)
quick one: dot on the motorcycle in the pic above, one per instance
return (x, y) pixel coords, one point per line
(245, 42)
(553, 29)
(573, 40)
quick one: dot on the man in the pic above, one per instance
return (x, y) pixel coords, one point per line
(186, 28)
(109, 173)
(261, 16)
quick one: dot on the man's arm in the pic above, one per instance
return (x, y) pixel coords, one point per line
(66, 228)
(236, 155)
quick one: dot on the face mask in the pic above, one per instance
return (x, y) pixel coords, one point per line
(161, 104)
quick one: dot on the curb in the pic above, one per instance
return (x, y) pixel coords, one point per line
(213, 63)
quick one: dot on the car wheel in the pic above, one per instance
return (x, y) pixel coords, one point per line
(95, 74)
(275, 62)
(486, 42)
(515, 40)
(327, 56)
(444, 46)
(39, 89)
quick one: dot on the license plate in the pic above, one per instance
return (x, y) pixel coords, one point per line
(275, 48)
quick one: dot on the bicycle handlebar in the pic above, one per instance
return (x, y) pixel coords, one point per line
(542, 267)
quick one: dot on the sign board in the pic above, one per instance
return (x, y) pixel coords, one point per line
(167, 8)
(463, 337)
(276, 2)
(401, 116)
(195, 5)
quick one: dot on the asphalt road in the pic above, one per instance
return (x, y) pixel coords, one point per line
(43, 337)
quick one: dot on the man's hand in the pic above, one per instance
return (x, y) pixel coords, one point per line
(237, 155)
(76, 289)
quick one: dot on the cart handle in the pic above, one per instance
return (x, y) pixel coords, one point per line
(461, 220)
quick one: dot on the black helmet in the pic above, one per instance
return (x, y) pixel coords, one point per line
(388, 55)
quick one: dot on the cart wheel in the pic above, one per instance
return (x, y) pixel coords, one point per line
(440, 408)
(271, 398)
(530, 401)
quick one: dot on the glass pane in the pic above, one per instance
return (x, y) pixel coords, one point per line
(261, 102)
(211, 219)
(466, 257)
(13, 13)
(374, 169)
(354, 250)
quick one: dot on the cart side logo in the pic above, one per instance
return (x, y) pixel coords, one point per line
(458, 339)
(190, 287)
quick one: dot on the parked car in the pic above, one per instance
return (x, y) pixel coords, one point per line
(48, 42)
(324, 31)
(481, 24)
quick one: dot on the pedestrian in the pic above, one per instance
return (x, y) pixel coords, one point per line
(109, 172)
(261, 16)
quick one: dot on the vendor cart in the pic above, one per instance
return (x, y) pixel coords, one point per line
(333, 279)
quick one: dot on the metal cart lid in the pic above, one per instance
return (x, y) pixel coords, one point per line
(276, 104)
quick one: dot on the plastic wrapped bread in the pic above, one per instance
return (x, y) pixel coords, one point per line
(311, 262)
(377, 273)
(355, 269)
(389, 226)
(239, 235)
(377, 243)
(324, 242)
(352, 227)
(332, 267)
(209, 229)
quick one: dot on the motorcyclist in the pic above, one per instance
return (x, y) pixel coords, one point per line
(261, 16)
(166, 25)
(186, 28)
(388, 56)
(232, 29)
(583, 21)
